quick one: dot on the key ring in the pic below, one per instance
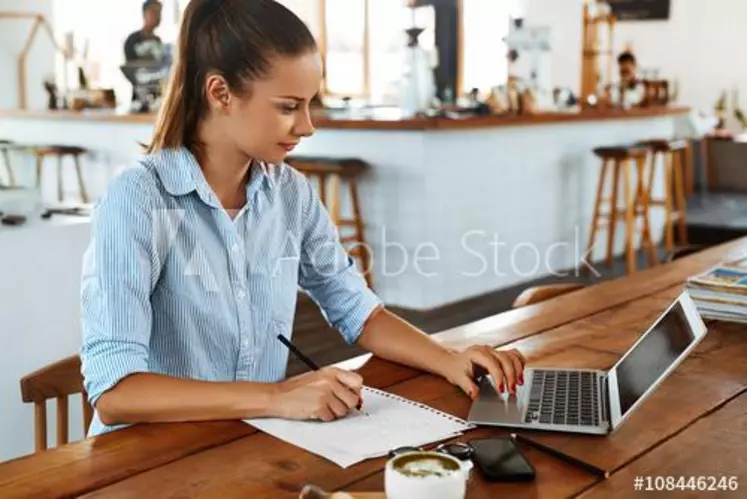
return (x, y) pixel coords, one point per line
(460, 450)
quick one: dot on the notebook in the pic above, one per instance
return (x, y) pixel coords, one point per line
(392, 422)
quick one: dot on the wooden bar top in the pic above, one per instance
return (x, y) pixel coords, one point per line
(692, 426)
(382, 120)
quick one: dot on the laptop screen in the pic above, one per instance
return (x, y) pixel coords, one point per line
(651, 357)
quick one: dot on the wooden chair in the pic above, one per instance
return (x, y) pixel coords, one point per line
(58, 380)
(676, 158)
(60, 152)
(330, 174)
(618, 162)
(537, 294)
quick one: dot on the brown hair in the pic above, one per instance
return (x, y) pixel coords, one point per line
(233, 38)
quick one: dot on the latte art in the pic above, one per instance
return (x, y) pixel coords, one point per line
(420, 466)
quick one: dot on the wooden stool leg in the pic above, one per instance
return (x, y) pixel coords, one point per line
(689, 168)
(668, 194)
(9, 168)
(359, 232)
(614, 209)
(60, 190)
(680, 204)
(40, 426)
(323, 189)
(629, 218)
(642, 202)
(81, 184)
(62, 420)
(597, 209)
(652, 175)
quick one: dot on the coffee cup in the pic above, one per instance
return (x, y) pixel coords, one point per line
(425, 475)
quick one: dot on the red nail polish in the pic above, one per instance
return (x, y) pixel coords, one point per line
(521, 379)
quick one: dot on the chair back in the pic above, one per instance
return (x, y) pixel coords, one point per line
(58, 380)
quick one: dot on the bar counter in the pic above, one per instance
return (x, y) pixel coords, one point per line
(451, 208)
(385, 120)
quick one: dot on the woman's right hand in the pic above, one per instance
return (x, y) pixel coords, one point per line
(326, 395)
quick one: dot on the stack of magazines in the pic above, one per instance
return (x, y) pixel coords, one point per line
(721, 292)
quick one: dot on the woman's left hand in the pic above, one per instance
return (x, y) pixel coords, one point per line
(506, 367)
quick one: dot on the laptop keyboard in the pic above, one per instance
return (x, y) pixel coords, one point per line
(564, 398)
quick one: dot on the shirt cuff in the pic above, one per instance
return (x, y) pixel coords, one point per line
(106, 363)
(352, 325)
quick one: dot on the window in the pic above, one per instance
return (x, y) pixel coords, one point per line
(363, 43)
(485, 23)
(388, 21)
(99, 29)
(346, 64)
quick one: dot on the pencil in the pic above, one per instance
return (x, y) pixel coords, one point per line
(562, 456)
(310, 363)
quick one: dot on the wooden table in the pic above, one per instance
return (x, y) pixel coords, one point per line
(693, 426)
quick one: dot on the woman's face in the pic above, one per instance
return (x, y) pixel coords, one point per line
(273, 116)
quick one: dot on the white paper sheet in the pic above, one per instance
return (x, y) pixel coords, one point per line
(392, 422)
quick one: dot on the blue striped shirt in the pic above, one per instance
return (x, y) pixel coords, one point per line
(172, 284)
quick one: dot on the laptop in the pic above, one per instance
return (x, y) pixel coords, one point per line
(594, 401)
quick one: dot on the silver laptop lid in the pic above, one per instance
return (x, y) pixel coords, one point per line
(653, 357)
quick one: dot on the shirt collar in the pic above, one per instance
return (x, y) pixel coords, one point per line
(181, 174)
(177, 169)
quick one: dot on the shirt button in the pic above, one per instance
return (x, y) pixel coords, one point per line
(235, 247)
(241, 294)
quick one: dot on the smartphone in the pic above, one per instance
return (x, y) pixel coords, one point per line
(499, 460)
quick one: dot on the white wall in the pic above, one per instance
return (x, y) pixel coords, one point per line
(40, 62)
(699, 45)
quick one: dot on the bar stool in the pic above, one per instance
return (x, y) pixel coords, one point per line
(617, 163)
(329, 174)
(677, 161)
(60, 152)
(5, 146)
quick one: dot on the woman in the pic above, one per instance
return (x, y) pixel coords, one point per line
(197, 251)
